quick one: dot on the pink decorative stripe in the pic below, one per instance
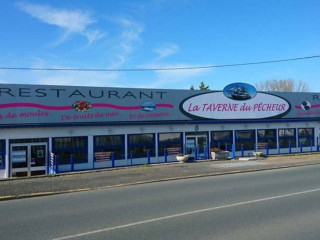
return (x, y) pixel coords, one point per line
(35, 105)
(107, 105)
(164, 105)
(57, 108)
(313, 106)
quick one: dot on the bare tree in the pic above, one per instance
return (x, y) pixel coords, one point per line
(283, 85)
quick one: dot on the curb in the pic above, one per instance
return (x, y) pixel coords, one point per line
(41, 194)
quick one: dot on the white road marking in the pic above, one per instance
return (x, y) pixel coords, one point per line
(185, 214)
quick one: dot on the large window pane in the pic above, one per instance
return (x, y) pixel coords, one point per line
(110, 143)
(139, 144)
(64, 147)
(245, 138)
(287, 136)
(169, 140)
(70, 142)
(169, 137)
(141, 138)
(222, 140)
(65, 157)
(2, 153)
(268, 136)
(111, 140)
(306, 136)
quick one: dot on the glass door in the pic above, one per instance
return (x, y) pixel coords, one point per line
(19, 160)
(197, 143)
(202, 147)
(191, 143)
(28, 159)
(38, 159)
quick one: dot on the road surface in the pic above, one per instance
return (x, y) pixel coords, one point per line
(277, 204)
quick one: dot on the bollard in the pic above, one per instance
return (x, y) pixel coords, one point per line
(72, 162)
(165, 155)
(112, 159)
(205, 152)
(290, 147)
(242, 150)
(195, 150)
(233, 153)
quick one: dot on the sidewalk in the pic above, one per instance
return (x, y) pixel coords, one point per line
(108, 178)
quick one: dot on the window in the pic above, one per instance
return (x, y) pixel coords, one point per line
(169, 140)
(268, 136)
(245, 138)
(111, 143)
(287, 136)
(139, 144)
(306, 137)
(64, 147)
(222, 140)
(2, 153)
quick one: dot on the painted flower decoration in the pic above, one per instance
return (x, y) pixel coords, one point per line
(81, 106)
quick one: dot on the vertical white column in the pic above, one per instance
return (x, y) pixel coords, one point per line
(156, 146)
(50, 145)
(126, 148)
(278, 142)
(184, 142)
(6, 159)
(90, 151)
(256, 139)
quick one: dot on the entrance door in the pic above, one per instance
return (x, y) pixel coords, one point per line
(198, 143)
(28, 159)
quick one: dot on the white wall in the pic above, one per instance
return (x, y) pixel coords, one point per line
(90, 131)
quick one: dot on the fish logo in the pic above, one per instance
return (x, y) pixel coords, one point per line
(148, 106)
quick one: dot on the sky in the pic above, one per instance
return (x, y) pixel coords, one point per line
(156, 34)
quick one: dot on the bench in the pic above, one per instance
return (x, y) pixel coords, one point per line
(173, 151)
(102, 156)
(261, 146)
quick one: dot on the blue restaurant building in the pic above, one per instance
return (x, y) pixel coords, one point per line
(46, 129)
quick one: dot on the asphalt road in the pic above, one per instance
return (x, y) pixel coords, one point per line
(278, 204)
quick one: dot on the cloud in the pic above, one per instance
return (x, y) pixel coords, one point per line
(177, 78)
(130, 33)
(71, 21)
(128, 40)
(167, 50)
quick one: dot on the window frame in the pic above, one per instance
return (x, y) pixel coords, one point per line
(229, 140)
(238, 141)
(294, 138)
(267, 139)
(151, 145)
(110, 148)
(308, 137)
(84, 149)
(169, 144)
(3, 154)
